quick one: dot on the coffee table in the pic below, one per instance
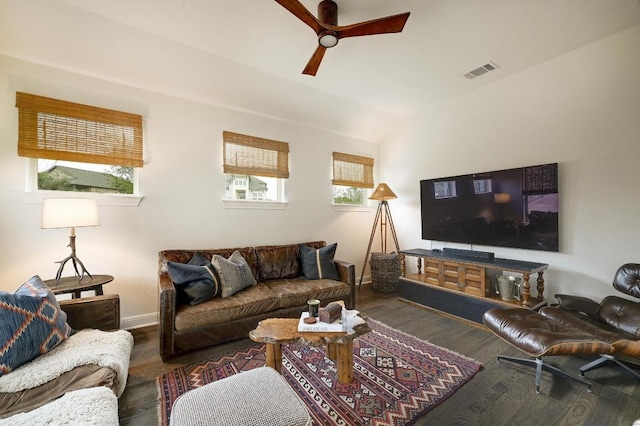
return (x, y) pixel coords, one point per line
(277, 331)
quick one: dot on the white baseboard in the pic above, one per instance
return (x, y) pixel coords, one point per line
(138, 321)
(366, 279)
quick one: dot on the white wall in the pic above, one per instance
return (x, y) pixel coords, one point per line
(182, 183)
(581, 110)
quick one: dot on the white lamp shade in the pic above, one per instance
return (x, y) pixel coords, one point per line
(69, 213)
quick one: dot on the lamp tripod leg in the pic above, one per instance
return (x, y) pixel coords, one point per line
(393, 229)
(373, 233)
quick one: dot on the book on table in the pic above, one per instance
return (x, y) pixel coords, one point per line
(346, 323)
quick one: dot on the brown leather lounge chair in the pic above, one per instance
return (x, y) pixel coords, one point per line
(576, 327)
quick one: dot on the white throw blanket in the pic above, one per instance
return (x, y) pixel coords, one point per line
(94, 406)
(110, 349)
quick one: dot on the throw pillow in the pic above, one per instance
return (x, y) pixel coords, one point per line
(235, 273)
(32, 324)
(196, 281)
(318, 264)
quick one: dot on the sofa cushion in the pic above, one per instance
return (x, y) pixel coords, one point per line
(235, 273)
(251, 301)
(196, 281)
(318, 263)
(32, 324)
(183, 256)
(296, 292)
(281, 262)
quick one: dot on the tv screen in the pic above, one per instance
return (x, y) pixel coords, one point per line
(505, 208)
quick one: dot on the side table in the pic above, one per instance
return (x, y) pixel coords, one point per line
(77, 285)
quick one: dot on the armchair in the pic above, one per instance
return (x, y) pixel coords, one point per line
(577, 326)
(614, 320)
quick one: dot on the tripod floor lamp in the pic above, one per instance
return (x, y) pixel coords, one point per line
(383, 217)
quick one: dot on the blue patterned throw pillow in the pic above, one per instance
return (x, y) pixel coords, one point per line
(32, 324)
(196, 281)
(318, 264)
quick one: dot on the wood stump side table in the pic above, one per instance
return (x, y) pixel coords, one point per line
(76, 285)
(277, 331)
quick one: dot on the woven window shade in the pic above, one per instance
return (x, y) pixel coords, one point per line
(249, 155)
(352, 170)
(540, 179)
(60, 130)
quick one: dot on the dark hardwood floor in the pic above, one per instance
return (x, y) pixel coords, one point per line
(500, 394)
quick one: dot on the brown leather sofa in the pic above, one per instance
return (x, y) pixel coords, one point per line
(281, 291)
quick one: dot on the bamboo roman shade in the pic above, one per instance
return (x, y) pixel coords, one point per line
(352, 170)
(249, 155)
(60, 130)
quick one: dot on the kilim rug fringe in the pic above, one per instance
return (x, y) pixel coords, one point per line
(397, 378)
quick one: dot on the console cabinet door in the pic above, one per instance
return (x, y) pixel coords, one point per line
(472, 279)
(432, 272)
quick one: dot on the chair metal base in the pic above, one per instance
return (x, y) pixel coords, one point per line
(541, 365)
(606, 359)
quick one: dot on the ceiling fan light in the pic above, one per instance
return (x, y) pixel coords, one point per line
(328, 39)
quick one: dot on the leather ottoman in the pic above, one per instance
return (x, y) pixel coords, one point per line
(538, 336)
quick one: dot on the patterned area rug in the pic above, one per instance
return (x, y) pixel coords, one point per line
(397, 378)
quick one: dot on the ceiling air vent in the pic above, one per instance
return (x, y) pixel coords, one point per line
(481, 70)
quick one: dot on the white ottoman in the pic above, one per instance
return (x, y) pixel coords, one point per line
(259, 397)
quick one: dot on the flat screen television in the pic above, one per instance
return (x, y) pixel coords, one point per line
(505, 208)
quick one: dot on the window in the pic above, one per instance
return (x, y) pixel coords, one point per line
(481, 186)
(540, 188)
(444, 189)
(79, 148)
(352, 176)
(56, 175)
(255, 168)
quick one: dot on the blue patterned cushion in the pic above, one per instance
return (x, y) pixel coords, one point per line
(318, 264)
(32, 324)
(235, 273)
(196, 281)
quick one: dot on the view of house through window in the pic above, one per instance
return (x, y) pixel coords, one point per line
(252, 188)
(54, 175)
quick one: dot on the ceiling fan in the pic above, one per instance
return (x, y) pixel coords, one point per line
(329, 32)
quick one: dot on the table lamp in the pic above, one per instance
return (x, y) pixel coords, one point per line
(382, 194)
(70, 213)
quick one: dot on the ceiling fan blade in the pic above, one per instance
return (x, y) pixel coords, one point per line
(302, 13)
(314, 62)
(390, 24)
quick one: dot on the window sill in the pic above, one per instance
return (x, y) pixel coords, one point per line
(257, 205)
(351, 208)
(102, 199)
